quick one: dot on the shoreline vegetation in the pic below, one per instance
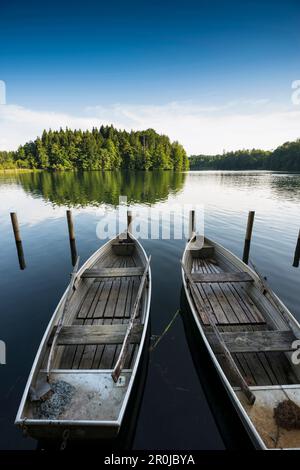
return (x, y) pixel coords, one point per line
(108, 148)
(284, 158)
(105, 148)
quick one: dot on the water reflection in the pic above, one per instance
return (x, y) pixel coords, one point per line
(281, 185)
(21, 257)
(81, 189)
(174, 396)
(297, 253)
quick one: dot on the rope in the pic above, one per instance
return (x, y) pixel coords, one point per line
(165, 331)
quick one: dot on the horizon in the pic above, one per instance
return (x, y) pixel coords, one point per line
(216, 77)
(145, 130)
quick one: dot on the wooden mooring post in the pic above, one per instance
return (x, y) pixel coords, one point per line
(72, 237)
(297, 253)
(191, 224)
(129, 221)
(18, 240)
(248, 236)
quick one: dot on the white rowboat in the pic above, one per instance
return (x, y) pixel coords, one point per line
(92, 347)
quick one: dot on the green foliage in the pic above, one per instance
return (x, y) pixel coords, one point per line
(286, 157)
(100, 149)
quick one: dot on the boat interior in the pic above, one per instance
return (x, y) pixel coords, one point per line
(93, 331)
(253, 329)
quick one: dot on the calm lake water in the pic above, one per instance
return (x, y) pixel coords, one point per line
(182, 406)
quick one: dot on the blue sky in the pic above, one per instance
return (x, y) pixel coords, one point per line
(218, 64)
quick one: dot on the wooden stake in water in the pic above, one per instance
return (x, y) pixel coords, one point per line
(72, 237)
(297, 253)
(129, 221)
(70, 225)
(248, 236)
(191, 224)
(18, 240)
(15, 225)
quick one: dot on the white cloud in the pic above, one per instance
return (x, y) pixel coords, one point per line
(201, 129)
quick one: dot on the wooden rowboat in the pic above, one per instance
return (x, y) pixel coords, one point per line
(89, 356)
(251, 338)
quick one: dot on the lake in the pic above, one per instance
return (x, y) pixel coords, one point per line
(181, 405)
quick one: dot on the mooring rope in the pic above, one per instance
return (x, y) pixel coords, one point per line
(165, 331)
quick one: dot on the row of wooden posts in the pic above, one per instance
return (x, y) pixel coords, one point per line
(246, 252)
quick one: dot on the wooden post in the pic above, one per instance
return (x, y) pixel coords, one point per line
(70, 225)
(18, 240)
(129, 221)
(297, 253)
(72, 237)
(248, 236)
(191, 224)
(15, 225)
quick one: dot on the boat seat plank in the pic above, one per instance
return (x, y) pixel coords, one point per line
(254, 341)
(97, 334)
(221, 277)
(112, 272)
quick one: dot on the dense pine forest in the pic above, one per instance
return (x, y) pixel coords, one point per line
(105, 148)
(286, 158)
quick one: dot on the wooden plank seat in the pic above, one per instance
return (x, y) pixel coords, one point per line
(96, 334)
(112, 272)
(221, 277)
(254, 341)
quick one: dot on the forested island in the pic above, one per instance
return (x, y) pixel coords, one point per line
(105, 148)
(285, 157)
(108, 148)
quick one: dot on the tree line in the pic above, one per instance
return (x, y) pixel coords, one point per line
(104, 148)
(285, 157)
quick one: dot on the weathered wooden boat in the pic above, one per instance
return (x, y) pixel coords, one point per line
(86, 365)
(251, 338)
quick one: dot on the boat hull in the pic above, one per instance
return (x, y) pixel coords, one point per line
(92, 380)
(248, 425)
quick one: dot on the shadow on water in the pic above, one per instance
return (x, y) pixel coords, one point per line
(126, 434)
(229, 425)
(92, 188)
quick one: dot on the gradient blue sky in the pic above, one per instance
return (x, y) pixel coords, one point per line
(218, 64)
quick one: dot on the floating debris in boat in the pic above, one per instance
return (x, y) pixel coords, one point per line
(57, 402)
(287, 415)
